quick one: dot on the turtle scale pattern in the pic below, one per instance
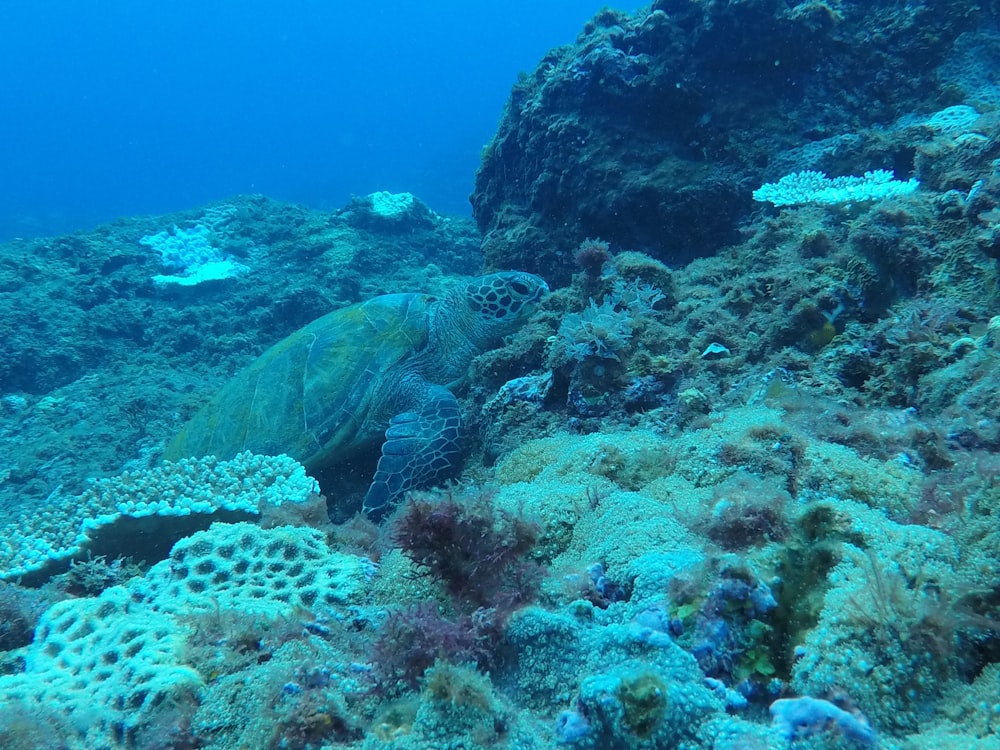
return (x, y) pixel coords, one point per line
(383, 366)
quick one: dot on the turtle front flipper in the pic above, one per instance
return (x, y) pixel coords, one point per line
(419, 446)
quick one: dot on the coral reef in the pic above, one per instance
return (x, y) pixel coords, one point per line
(165, 502)
(651, 131)
(734, 485)
(99, 363)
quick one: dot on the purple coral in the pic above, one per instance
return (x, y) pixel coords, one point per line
(571, 726)
(800, 717)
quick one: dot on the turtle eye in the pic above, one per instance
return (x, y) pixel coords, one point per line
(520, 287)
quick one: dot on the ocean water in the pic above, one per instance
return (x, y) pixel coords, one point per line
(121, 108)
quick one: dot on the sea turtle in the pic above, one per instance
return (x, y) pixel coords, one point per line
(384, 366)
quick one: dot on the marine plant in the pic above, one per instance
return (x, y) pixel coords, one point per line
(477, 551)
(413, 639)
(591, 255)
(459, 686)
(310, 718)
(225, 641)
(90, 576)
(747, 511)
(933, 620)
(479, 554)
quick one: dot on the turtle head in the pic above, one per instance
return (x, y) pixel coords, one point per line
(501, 301)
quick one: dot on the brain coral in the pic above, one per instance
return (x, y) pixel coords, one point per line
(260, 571)
(107, 663)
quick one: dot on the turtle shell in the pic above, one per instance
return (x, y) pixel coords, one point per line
(324, 389)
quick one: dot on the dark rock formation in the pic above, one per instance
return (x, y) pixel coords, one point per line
(651, 131)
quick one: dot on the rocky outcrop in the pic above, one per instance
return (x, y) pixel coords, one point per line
(652, 130)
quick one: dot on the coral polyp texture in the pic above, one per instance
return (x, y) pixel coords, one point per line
(150, 501)
(270, 572)
(106, 659)
(112, 662)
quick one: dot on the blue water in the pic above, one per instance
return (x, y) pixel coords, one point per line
(116, 107)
